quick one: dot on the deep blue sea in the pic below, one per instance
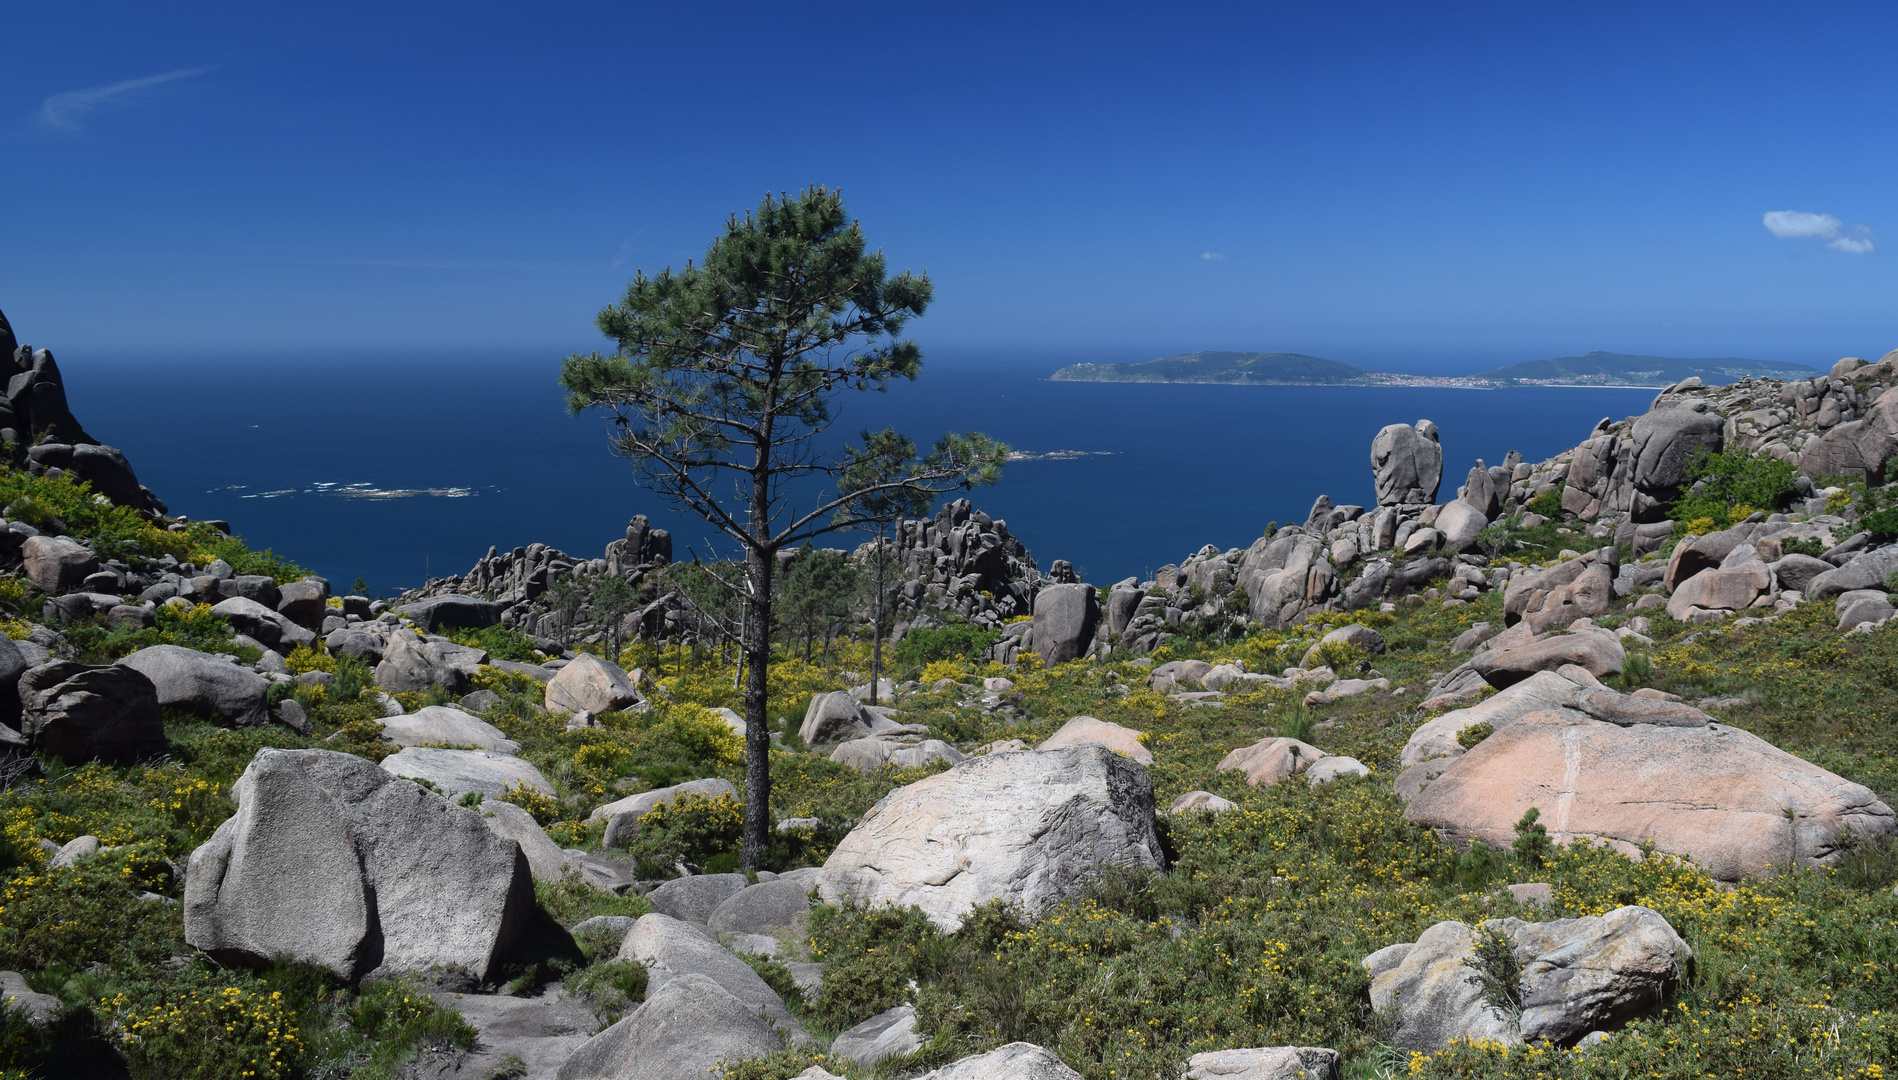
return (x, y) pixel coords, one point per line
(467, 455)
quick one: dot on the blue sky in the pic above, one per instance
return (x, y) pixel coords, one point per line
(1418, 187)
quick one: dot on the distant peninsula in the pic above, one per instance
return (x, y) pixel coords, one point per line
(1297, 369)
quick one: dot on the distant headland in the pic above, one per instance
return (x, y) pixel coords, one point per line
(1296, 369)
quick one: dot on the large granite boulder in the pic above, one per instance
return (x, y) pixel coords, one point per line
(1599, 653)
(1459, 523)
(670, 948)
(1665, 442)
(452, 612)
(695, 897)
(1066, 617)
(1578, 975)
(1726, 589)
(1729, 800)
(1086, 730)
(766, 906)
(13, 664)
(411, 663)
(1407, 464)
(589, 684)
(1265, 1063)
(332, 861)
(263, 625)
(1015, 1061)
(57, 564)
(836, 717)
(1551, 599)
(210, 686)
(687, 1027)
(445, 725)
(1859, 448)
(305, 602)
(1027, 828)
(1271, 759)
(457, 772)
(78, 713)
(1866, 570)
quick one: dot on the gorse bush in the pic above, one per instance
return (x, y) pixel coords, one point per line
(214, 1032)
(957, 641)
(194, 627)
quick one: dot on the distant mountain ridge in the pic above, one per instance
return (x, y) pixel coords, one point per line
(1296, 369)
(1625, 369)
(1263, 368)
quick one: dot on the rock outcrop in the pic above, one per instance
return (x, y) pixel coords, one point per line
(1027, 828)
(79, 713)
(1578, 976)
(332, 861)
(1729, 800)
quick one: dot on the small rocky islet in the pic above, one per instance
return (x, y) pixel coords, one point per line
(1558, 777)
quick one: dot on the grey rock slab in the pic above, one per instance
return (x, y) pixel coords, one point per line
(204, 684)
(452, 612)
(545, 860)
(305, 603)
(1086, 730)
(1200, 802)
(687, 1027)
(82, 713)
(1866, 570)
(1578, 975)
(1599, 653)
(458, 772)
(18, 996)
(591, 685)
(836, 717)
(445, 725)
(57, 564)
(695, 898)
(1065, 619)
(75, 849)
(764, 907)
(673, 948)
(13, 663)
(333, 861)
(890, 1033)
(1015, 1061)
(1265, 1063)
(542, 1031)
(1027, 828)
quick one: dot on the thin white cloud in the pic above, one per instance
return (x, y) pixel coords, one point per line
(1801, 225)
(1211, 256)
(68, 111)
(1797, 224)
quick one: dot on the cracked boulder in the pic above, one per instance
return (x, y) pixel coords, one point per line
(1026, 828)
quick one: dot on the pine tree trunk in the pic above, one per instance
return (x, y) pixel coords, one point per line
(876, 620)
(757, 647)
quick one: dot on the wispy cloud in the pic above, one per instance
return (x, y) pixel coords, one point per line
(1211, 256)
(1794, 224)
(68, 111)
(1802, 225)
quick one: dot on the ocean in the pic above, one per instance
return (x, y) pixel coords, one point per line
(396, 470)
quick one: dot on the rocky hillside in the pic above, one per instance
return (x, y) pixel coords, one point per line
(1584, 772)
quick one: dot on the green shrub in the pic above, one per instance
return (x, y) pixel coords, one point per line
(613, 986)
(500, 643)
(925, 645)
(1548, 504)
(209, 1032)
(1532, 840)
(1801, 545)
(83, 914)
(1475, 733)
(195, 627)
(1732, 484)
(543, 807)
(703, 831)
